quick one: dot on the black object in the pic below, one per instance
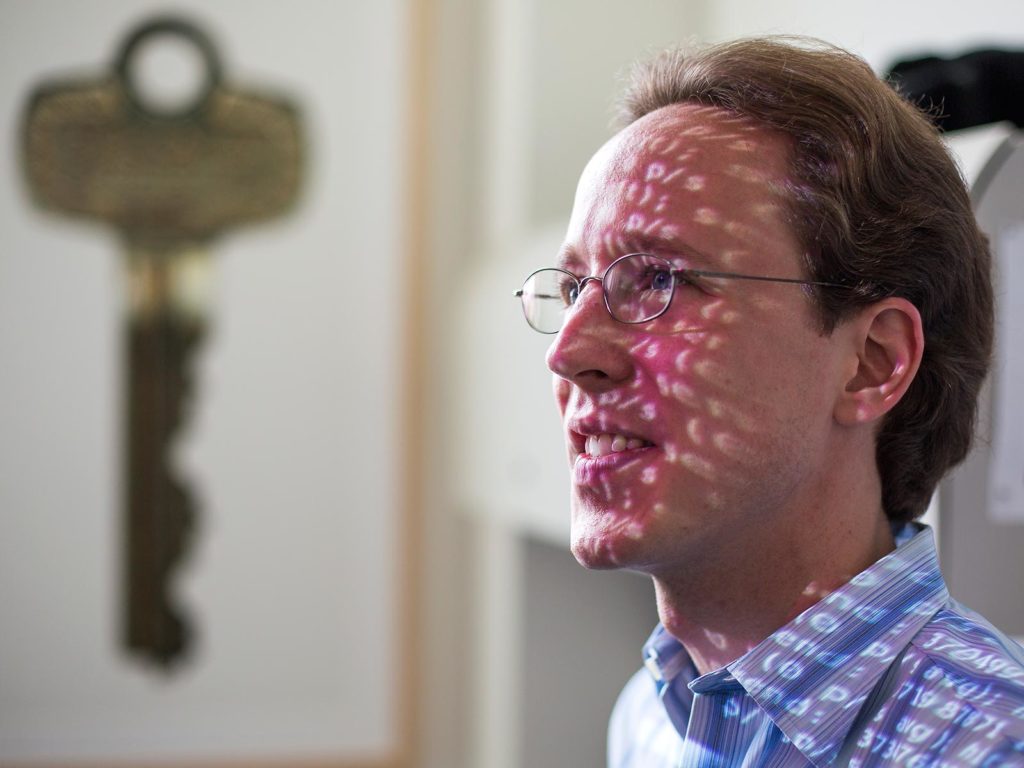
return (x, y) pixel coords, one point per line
(977, 88)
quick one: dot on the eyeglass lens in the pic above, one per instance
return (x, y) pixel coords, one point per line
(637, 288)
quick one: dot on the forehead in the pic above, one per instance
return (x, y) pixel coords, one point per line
(680, 171)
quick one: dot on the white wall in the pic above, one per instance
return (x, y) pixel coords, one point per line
(292, 575)
(878, 30)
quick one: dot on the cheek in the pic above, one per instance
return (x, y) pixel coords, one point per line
(561, 389)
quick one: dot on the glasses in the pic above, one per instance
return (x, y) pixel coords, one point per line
(638, 287)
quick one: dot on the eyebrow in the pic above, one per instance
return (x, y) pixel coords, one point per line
(568, 257)
(639, 242)
(658, 244)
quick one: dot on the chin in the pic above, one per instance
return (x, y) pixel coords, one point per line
(593, 555)
(604, 546)
(605, 537)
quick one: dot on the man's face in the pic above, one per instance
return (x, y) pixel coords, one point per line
(692, 435)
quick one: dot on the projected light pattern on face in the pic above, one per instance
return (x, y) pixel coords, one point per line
(683, 430)
(699, 444)
(885, 671)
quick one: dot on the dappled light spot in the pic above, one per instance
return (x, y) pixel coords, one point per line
(661, 144)
(708, 369)
(706, 216)
(683, 393)
(836, 693)
(655, 171)
(748, 423)
(730, 445)
(694, 429)
(669, 178)
(699, 465)
(746, 173)
(711, 310)
(694, 183)
(729, 317)
(635, 223)
(664, 384)
(742, 231)
(824, 622)
(628, 404)
(767, 211)
(640, 346)
(717, 639)
(766, 302)
(655, 227)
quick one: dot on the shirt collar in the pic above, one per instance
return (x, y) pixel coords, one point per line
(813, 675)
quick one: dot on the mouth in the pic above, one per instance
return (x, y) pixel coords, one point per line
(590, 443)
(608, 443)
(595, 455)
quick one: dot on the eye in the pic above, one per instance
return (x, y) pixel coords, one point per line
(656, 278)
(568, 289)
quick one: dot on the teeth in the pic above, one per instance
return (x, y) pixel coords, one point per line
(603, 444)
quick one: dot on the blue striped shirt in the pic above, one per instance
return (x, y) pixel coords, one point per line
(888, 670)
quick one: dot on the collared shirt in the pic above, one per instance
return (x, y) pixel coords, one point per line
(888, 670)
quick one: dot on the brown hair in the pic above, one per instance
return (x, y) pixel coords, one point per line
(878, 205)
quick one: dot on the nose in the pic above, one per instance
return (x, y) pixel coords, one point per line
(591, 350)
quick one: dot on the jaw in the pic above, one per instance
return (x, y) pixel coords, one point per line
(604, 537)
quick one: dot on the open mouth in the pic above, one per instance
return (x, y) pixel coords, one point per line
(607, 443)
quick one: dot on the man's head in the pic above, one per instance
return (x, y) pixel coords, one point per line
(877, 203)
(762, 160)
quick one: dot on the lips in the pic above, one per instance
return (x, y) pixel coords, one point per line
(600, 449)
(595, 437)
(608, 443)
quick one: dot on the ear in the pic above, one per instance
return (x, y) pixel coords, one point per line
(888, 342)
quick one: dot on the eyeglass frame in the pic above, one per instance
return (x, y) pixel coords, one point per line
(581, 283)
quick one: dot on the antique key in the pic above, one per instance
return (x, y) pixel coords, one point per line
(169, 180)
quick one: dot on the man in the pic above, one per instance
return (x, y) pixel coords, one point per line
(772, 317)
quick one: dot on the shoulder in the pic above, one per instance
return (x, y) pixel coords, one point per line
(636, 701)
(961, 695)
(640, 733)
(966, 647)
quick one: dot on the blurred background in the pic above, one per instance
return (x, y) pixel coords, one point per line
(377, 574)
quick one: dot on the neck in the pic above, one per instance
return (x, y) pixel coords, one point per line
(729, 601)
